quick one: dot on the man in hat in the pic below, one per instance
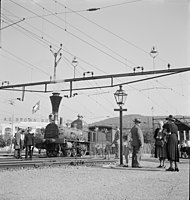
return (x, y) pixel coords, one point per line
(137, 143)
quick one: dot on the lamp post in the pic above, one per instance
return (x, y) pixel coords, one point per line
(120, 97)
(75, 63)
(153, 54)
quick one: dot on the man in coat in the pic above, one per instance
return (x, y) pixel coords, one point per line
(137, 143)
(17, 144)
(29, 144)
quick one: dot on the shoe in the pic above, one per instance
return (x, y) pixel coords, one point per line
(170, 169)
(176, 169)
(125, 166)
(160, 166)
(136, 167)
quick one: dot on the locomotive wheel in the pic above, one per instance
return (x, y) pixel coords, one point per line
(74, 152)
(48, 153)
(83, 152)
(68, 152)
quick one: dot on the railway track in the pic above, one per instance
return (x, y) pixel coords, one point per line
(8, 163)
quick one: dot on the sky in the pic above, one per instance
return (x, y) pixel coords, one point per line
(116, 38)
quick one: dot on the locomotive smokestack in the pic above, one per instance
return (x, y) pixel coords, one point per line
(55, 102)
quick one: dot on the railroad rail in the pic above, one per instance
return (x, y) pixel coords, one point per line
(8, 163)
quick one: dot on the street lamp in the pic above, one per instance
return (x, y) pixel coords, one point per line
(153, 54)
(75, 63)
(120, 97)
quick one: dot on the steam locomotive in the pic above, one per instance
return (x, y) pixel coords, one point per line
(58, 140)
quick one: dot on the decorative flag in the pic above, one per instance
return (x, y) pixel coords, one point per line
(36, 107)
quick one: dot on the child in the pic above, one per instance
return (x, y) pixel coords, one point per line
(126, 148)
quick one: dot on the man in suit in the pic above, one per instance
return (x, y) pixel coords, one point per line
(29, 143)
(137, 143)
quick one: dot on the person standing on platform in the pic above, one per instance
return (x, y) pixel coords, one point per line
(126, 148)
(137, 143)
(171, 130)
(22, 135)
(17, 144)
(29, 143)
(160, 144)
(116, 142)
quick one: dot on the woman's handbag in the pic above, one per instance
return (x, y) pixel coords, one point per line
(159, 143)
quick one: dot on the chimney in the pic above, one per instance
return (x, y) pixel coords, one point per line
(55, 102)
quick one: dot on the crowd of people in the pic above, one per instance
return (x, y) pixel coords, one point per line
(24, 139)
(166, 137)
(166, 144)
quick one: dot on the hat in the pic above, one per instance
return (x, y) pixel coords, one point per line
(171, 118)
(136, 120)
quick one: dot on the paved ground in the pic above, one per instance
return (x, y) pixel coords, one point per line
(96, 182)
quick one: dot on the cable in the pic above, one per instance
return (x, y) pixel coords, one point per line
(85, 10)
(114, 34)
(74, 27)
(119, 4)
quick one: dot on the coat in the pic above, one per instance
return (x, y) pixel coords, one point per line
(137, 136)
(17, 140)
(172, 141)
(29, 139)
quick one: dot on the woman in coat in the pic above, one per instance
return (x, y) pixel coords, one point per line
(160, 144)
(172, 143)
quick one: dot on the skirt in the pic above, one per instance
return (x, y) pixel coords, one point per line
(172, 148)
(161, 152)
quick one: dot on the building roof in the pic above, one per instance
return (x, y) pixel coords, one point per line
(182, 126)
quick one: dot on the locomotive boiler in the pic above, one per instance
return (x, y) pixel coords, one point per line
(58, 140)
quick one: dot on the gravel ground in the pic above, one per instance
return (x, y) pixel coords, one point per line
(96, 183)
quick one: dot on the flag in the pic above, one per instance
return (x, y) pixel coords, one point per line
(36, 107)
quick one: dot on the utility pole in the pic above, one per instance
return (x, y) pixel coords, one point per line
(55, 54)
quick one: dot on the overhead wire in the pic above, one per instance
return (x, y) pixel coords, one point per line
(112, 33)
(89, 9)
(62, 19)
(74, 27)
(79, 37)
(92, 98)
